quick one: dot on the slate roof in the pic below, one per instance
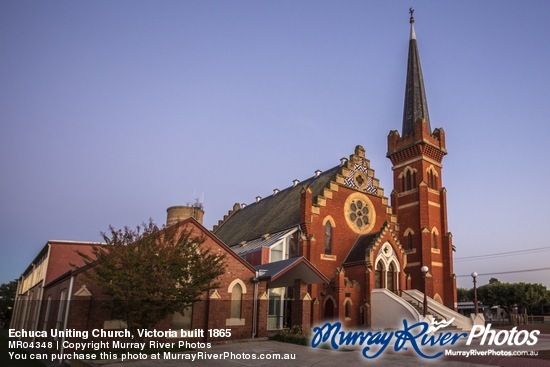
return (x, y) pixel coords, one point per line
(357, 252)
(272, 214)
(261, 242)
(269, 270)
(284, 272)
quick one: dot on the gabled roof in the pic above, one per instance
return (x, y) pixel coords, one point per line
(185, 222)
(44, 250)
(210, 235)
(357, 253)
(283, 273)
(272, 214)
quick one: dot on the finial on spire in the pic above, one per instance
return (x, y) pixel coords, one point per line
(411, 20)
(416, 105)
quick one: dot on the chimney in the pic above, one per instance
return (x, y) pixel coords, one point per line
(177, 214)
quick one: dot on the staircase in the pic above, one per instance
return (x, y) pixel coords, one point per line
(388, 310)
(420, 308)
(436, 310)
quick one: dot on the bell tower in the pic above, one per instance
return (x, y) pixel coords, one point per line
(418, 197)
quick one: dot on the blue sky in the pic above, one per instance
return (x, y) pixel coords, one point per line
(112, 111)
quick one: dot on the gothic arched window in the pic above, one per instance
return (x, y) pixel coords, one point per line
(347, 309)
(391, 278)
(432, 179)
(379, 275)
(328, 238)
(236, 301)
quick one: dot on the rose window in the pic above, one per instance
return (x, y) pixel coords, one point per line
(358, 213)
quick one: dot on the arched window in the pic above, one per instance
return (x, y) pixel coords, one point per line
(432, 178)
(347, 309)
(434, 240)
(236, 301)
(408, 180)
(379, 275)
(328, 238)
(410, 241)
(391, 278)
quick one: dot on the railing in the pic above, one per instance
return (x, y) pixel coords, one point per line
(444, 312)
(420, 305)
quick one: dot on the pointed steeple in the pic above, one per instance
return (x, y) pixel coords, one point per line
(416, 105)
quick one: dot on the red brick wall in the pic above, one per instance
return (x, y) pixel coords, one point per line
(343, 237)
(89, 312)
(429, 212)
(63, 256)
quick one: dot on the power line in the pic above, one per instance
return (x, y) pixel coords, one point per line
(503, 254)
(506, 272)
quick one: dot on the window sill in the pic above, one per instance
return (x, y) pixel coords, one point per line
(114, 324)
(328, 257)
(234, 322)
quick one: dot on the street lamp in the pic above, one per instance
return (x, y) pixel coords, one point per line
(424, 270)
(474, 276)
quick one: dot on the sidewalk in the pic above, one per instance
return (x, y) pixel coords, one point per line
(306, 356)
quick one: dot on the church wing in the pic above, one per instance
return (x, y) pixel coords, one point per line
(275, 213)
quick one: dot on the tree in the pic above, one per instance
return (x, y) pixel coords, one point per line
(150, 273)
(464, 294)
(525, 295)
(7, 298)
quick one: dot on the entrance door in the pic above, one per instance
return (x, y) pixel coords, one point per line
(274, 311)
(329, 309)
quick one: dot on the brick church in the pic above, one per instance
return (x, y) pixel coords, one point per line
(332, 246)
(341, 221)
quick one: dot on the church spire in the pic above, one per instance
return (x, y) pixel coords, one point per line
(416, 105)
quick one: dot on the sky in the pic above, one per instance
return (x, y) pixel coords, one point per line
(112, 111)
